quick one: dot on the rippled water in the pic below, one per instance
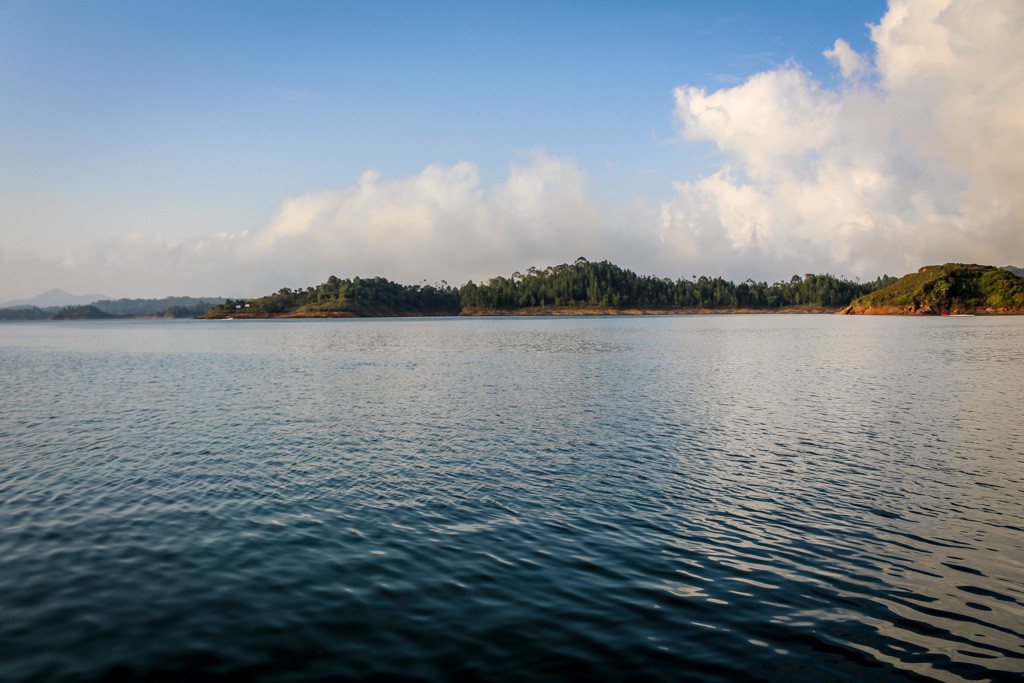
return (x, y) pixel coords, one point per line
(697, 497)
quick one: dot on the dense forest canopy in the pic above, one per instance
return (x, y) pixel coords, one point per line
(358, 296)
(605, 285)
(579, 285)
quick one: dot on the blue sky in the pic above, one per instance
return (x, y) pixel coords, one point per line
(169, 123)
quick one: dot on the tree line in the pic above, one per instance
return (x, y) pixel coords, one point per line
(582, 284)
(168, 307)
(605, 285)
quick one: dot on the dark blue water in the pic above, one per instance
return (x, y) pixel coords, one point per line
(698, 497)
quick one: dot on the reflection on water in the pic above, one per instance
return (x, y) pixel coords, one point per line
(714, 497)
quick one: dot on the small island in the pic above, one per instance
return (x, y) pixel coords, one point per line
(950, 289)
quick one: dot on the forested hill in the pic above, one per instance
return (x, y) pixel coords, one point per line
(336, 298)
(950, 288)
(582, 286)
(605, 285)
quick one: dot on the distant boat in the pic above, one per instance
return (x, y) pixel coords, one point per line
(957, 315)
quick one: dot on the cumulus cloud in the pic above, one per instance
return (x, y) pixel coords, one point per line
(438, 223)
(914, 158)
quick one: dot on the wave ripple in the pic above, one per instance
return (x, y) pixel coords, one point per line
(713, 498)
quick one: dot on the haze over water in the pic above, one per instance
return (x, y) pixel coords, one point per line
(711, 497)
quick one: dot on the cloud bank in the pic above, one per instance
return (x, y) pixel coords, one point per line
(915, 157)
(440, 223)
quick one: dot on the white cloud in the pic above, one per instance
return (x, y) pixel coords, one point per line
(777, 115)
(438, 223)
(922, 165)
(851, 65)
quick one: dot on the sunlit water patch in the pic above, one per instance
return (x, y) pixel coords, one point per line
(706, 497)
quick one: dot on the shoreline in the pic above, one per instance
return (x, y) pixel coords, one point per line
(926, 311)
(602, 311)
(547, 311)
(929, 310)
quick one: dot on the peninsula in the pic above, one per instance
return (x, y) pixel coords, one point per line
(950, 289)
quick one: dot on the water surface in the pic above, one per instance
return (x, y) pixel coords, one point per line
(696, 497)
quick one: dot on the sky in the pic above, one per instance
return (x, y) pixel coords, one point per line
(150, 149)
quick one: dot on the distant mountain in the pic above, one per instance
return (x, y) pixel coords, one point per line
(55, 297)
(1019, 272)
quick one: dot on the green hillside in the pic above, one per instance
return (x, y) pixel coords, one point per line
(950, 288)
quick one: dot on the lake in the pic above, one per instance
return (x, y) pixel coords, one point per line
(720, 497)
